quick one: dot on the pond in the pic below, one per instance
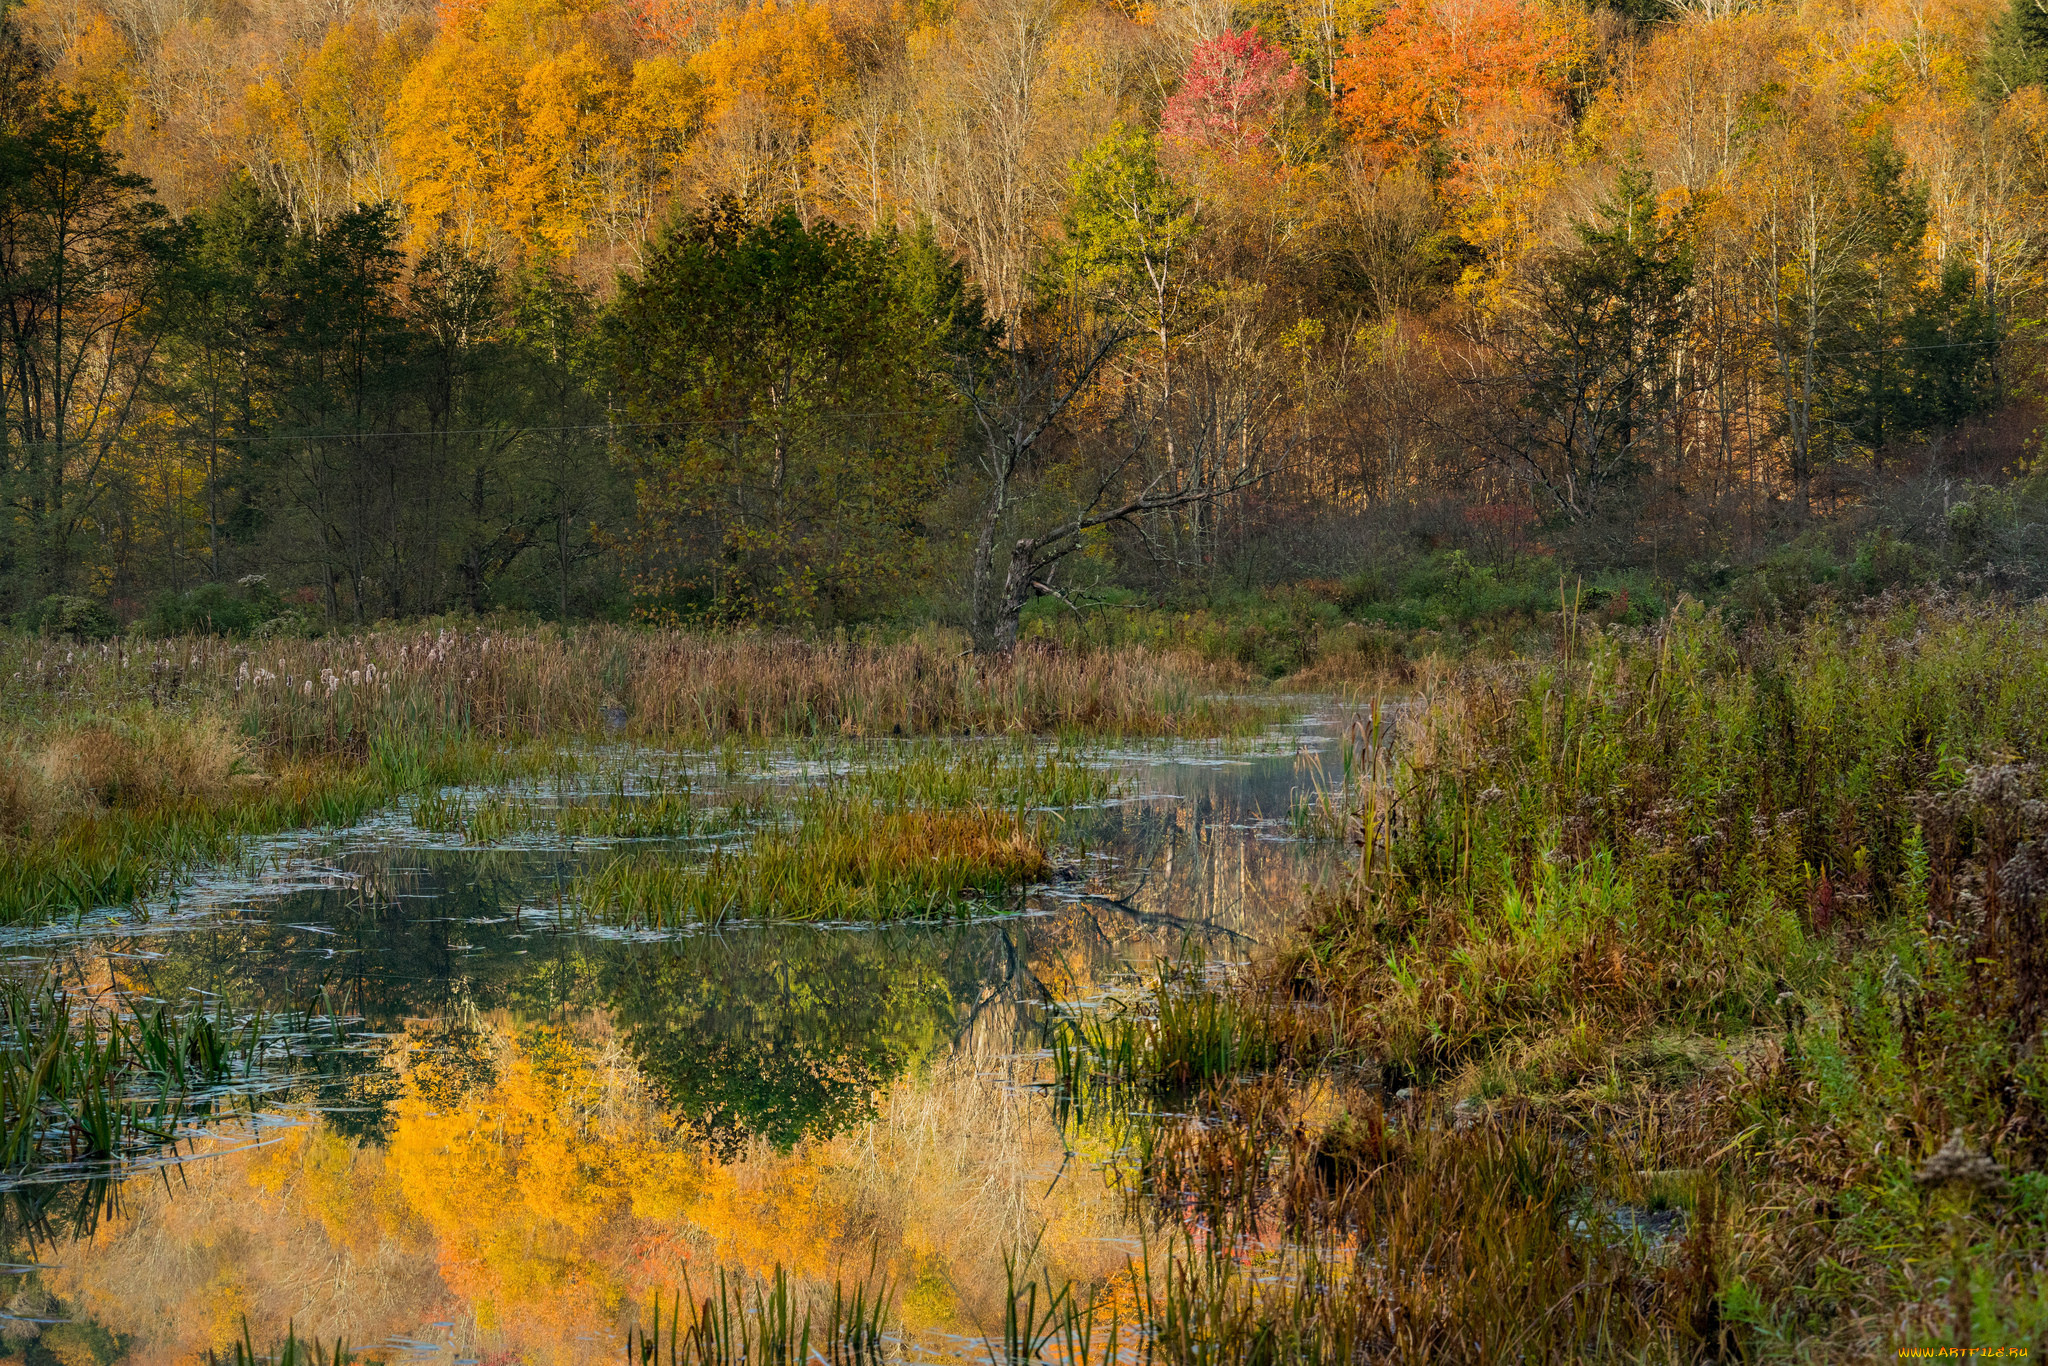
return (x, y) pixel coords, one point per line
(469, 1125)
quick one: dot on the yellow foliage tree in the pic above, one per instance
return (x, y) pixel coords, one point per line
(558, 179)
(454, 135)
(768, 80)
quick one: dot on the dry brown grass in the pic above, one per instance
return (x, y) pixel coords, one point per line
(153, 759)
(136, 764)
(342, 694)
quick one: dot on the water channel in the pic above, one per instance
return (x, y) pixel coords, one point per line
(484, 1132)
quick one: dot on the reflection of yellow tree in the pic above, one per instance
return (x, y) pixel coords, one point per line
(533, 1185)
(532, 1193)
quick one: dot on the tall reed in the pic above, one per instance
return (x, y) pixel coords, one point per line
(1181, 1034)
(760, 1322)
(82, 1084)
(340, 695)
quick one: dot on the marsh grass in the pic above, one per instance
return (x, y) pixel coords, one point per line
(1703, 978)
(845, 860)
(1179, 1035)
(115, 842)
(992, 775)
(126, 765)
(762, 1321)
(1352, 805)
(341, 695)
(83, 1084)
(100, 842)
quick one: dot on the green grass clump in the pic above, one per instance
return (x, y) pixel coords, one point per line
(670, 814)
(762, 1320)
(1179, 1036)
(971, 775)
(91, 1085)
(844, 860)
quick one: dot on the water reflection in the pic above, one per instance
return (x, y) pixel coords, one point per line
(528, 1204)
(539, 1126)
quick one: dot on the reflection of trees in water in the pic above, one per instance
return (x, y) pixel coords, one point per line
(782, 1032)
(554, 1191)
(788, 1034)
(414, 933)
(1205, 866)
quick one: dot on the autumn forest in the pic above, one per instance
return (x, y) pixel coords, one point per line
(818, 313)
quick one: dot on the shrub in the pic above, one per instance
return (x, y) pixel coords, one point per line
(214, 609)
(80, 618)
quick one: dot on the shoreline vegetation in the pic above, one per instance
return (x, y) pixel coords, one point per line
(128, 763)
(1688, 1006)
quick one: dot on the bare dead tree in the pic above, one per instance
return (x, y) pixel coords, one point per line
(1017, 401)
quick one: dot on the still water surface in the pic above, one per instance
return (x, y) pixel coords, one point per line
(486, 1133)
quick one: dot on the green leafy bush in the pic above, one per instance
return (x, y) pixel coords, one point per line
(214, 609)
(81, 618)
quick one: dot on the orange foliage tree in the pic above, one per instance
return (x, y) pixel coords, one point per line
(1432, 69)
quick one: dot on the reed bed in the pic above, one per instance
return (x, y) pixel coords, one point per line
(1180, 1035)
(761, 1321)
(342, 694)
(125, 765)
(94, 1086)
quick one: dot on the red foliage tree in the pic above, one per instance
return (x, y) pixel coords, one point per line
(1234, 88)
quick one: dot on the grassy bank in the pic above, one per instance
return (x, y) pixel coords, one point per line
(124, 765)
(343, 694)
(1700, 979)
(105, 812)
